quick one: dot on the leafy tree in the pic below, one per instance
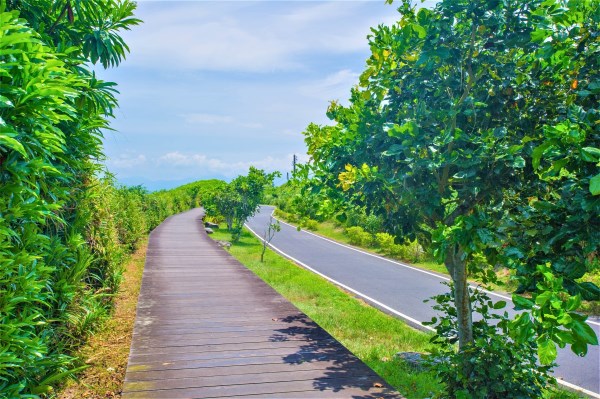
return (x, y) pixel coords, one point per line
(445, 136)
(553, 234)
(240, 199)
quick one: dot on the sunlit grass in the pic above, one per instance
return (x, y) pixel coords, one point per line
(370, 334)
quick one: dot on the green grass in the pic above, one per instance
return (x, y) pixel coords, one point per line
(370, 334)
(506, 284)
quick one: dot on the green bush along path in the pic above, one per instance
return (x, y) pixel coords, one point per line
(399, 288)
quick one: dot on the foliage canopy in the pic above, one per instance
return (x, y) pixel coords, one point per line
(475, 128)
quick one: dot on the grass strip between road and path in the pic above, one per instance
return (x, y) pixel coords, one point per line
(372, 335)
(107, 351)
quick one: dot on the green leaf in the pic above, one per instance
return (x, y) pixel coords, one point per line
(538, 152)
(519, 162)
(514, 252)
(394, 149)
(5, 102)
(573, 303)
(543, 298)
(419, 30)
(500, 305)
(521, 302)
(546, 350)
(409, 127)
(11, 143)
(585, 332)
(595, 185)
(589, 291)
(590, 154)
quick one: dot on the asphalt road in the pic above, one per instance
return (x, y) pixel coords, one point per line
(400, 289)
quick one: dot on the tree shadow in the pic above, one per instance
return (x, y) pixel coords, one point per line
(343, 371)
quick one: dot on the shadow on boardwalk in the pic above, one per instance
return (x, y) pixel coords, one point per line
(195, 338)
(346, 370)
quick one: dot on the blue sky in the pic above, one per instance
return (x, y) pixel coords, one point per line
(212, 87)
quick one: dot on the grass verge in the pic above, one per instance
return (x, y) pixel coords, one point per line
(370, 334)
(333, 231)
(107, 351)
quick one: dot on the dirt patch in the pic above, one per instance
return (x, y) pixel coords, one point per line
(107, 351)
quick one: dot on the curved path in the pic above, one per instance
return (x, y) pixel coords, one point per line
(400, 289)
(207, 327)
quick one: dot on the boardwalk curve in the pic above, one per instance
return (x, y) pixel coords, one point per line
(207, 327)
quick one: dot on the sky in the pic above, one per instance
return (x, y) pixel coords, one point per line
(212, 87)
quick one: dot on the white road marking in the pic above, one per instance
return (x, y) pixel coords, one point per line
(398, 263)
(386, 307)
(368, 298)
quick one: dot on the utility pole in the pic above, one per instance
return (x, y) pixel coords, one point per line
(295, 159)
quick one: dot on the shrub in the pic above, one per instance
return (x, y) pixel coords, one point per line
(398, 251)
(311, 224)
(354, 234)
(372, 223)
(366, 239)
(414, 251)
(358, 236)
(355, 217)
(218, 219)
(385, 241)
(492, 357)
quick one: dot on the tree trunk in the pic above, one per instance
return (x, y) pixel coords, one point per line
(457, 267)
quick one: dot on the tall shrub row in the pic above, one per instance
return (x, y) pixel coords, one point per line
(65, 227)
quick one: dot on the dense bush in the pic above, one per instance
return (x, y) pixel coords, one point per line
(385, 242)
(358, 236)
(65, 228)
(310, 224)
(492, 352)
(57, 264)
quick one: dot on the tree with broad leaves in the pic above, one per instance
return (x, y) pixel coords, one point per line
(447, 137)
(240, 199)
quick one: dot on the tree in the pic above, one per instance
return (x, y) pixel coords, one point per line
(273, 228)
(441, 137)
(240, 199)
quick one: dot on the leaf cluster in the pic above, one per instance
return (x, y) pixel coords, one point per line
(240, 199)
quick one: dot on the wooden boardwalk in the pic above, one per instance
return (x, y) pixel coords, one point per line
(207, 327)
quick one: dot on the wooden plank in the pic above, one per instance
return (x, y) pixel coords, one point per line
(208, 327)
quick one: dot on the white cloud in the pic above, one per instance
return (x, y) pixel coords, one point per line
(332, 87)
(249, 36)
(126, 161)
(204, 164)
(212, 119)
(252, 125)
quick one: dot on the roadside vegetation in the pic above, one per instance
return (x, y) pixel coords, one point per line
(472, 139)
(66, 228)
(370, 334)
(106, 352)
(352, 232)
